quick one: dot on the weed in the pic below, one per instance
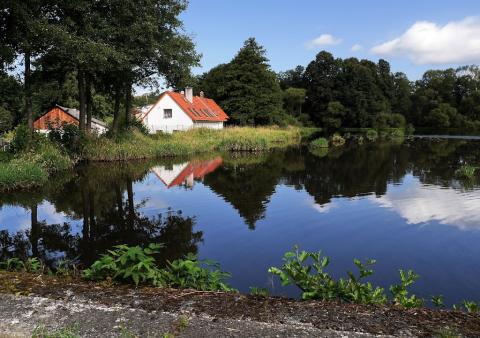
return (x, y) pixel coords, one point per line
(137, 265)
(259, 292)
(319, 143)
(127, 264)
(67, 332)
(315, 283)
(400, 293)
(471, 306)
(437, 301)
(15, 264)
(447, 332)
(337, 140)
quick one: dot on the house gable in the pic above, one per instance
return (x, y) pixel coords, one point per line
(54, 118)
(156, 120)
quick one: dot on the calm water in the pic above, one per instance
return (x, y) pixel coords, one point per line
(397, 203)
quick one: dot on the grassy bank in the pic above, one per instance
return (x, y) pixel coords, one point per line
(138, 146)
(33, 168)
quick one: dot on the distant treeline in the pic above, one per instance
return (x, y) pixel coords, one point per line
(332, 93)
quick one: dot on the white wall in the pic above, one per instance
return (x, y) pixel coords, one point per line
(211, 125)
(179, 121)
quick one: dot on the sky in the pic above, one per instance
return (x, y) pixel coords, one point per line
(413, 35)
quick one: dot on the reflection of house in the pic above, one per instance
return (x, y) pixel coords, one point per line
(185, 173)
(181, 111)
(59, 116)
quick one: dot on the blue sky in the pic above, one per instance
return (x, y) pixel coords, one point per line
(430, 34)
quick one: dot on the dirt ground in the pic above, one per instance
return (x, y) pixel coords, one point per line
(29, 302)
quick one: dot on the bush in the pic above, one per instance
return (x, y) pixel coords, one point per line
(337, 140)
(466, 172)
(21, 139)
(137, 265)
(371, 134)
(306, 270)
(319, 143)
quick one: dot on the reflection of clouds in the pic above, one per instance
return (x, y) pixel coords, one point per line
(418, 203)
(324, 208)
(15, 218)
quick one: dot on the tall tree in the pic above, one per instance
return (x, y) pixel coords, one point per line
(246, 87)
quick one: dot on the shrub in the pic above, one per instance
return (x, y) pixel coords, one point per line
(400, 292)
(15, 264)
(466, 172)
(319, 143)
(337, 140)
(307, 271)
(128, 264)
(21, 139)
(371, 134)
(137, 265)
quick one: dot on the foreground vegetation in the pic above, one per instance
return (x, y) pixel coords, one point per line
(306, 270)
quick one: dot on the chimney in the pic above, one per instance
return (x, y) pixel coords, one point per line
(189, 94)
(202, 94)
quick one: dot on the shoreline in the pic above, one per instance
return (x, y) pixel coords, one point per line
(307, 318)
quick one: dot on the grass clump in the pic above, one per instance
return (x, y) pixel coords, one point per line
(466, 172)
(33, 168)
(319, 143)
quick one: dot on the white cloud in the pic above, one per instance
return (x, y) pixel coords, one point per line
(429, 43)
(420, 204)
(324, 40)
(356, 48)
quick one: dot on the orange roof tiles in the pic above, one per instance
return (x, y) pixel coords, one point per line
(201, 109)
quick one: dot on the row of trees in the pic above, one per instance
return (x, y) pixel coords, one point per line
(361, 93)
(91, 52)
(333, 93)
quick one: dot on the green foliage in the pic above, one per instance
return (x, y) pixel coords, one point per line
(128, 264)
(259, 292)
(14, 264)
(371, 135)
(6, 120)
(137, 265)
(437, 301)
(471, 306)
(67, 332)
(191, 273)
(400, 293)
(466, 171)
(318, 143)
(69, 137)
(21, 173)
(337, 140)
(21, 139)
(306, 270)
(246, 88)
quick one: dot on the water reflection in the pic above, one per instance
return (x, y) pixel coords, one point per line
(358, 201)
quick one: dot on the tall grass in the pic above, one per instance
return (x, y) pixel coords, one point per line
(32, 168)
(138, 146)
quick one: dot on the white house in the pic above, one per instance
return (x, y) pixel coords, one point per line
(182, 111)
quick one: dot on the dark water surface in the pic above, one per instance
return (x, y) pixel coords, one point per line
(398, 203)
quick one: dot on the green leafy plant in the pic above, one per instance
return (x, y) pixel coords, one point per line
(128, 264)
(319, 143)
(337, 140)
(400, 293)
(306, 270)
(15, 264)
(137, 265)
(192, 273)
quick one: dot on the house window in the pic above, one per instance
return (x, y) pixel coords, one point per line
(167, 113)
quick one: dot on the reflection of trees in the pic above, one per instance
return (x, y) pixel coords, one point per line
(247, 182)
(102, 199)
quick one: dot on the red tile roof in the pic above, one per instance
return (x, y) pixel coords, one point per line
(201, 109)
(198, 169)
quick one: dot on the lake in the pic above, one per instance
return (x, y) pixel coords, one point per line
(399, 203)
